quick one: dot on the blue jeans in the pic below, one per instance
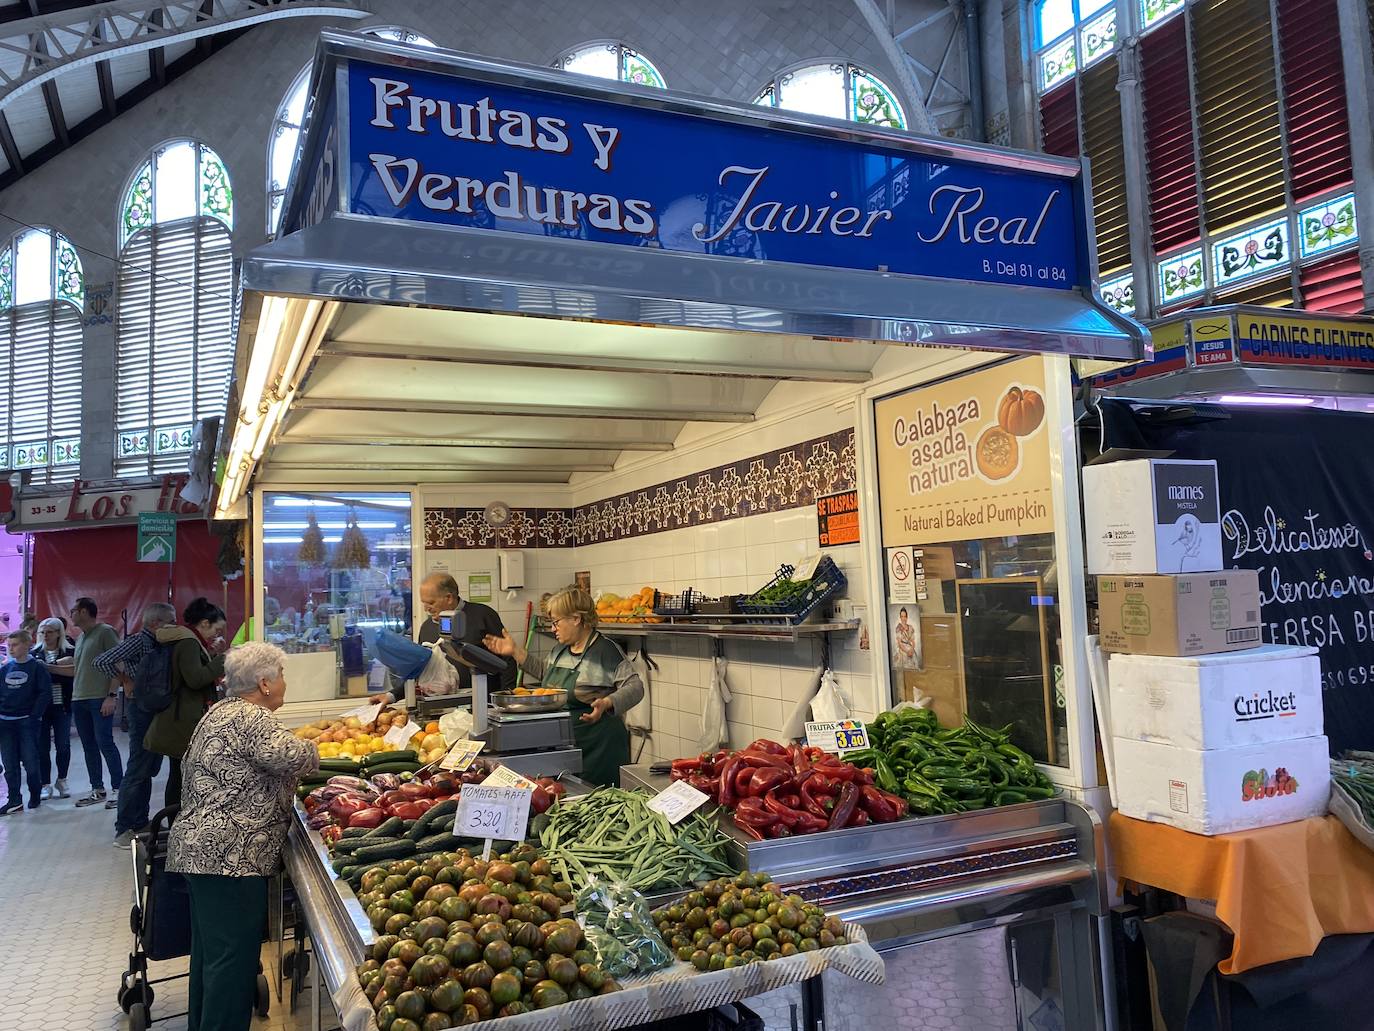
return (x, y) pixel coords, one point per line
(56, 732)
(138, 775)
(19, 746)
(97, 739)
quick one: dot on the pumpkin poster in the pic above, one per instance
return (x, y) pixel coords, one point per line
(966, 458)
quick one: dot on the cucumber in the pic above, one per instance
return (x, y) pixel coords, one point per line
(383, 758)
(341, 862)
(399, 766)
(348, 873)
(355, 832)
(339, 763)
(392, 827)
(421, 828)
(401, 848)
(435, 842)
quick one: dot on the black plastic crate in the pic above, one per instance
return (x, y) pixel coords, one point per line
(727, 605)
(683, 604)
(730, 1017)
(824, 584)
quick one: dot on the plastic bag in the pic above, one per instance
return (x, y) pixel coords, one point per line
(641, 715)
(616, 920)
(439, 677)
(455, 726)
(794, 726)
(830, 702)
(715, 730)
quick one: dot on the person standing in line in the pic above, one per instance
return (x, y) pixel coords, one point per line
(197, 664)
(55, 733)
(241, 771)
(93, 704)
(126, 663)
(25, 691)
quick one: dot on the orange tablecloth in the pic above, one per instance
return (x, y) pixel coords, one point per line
(1279, 889)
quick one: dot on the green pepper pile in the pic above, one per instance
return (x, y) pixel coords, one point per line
(948, 769)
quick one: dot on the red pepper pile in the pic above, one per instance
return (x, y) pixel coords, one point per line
(775, 791)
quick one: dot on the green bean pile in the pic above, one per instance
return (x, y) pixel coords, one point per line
(1353, 772)
(613, 835)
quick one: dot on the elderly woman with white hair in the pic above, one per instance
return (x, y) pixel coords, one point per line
(239, 777)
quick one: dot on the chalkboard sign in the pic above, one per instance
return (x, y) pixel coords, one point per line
(1004, 644)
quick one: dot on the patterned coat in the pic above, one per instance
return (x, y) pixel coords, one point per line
(239, 778)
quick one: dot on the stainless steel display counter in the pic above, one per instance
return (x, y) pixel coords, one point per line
(1024, 882)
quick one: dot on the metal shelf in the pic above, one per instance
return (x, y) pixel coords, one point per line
(780, 630)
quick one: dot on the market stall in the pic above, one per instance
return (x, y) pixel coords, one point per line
(609, 276)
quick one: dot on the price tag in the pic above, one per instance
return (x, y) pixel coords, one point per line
(838, 736)
(678, 801)
(460, 756)
(366, 713)
(493, 813)
(505, 777)
(399, 737)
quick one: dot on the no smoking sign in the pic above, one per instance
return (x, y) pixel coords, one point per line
(901, 576)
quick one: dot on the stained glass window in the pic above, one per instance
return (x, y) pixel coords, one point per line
(173, 327)
(42, 292)
(1251, 252)
(1327, 225)
(1180, 277)
(1153, 11)
(611, 60)
(1071, 35)
(286, 127)
(835, 91)
(1120, 294)
(180, 180)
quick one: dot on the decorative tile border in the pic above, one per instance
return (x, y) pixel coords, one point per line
(790, 477)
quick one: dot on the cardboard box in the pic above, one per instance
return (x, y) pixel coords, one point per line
(1192, 614)
(1152, 515)
(1224, 789)
(1271, 693)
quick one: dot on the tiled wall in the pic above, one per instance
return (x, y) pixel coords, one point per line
(722, 529)
(767, 678)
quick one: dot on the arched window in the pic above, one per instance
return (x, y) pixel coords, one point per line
(41, 296)
(286, 127)
(174, 320)
(607, 59)
(836, 90)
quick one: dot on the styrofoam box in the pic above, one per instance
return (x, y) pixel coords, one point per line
(1270, 693)
(1224, 789)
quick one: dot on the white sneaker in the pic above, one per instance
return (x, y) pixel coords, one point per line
(94, 798)
(60, 788)
(46, 793)
(113, 801)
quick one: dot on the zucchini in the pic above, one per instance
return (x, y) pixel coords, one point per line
(401, 848)
(435, 842)
(383, 758)
(339, 763)
(392, 827)
(445, 808)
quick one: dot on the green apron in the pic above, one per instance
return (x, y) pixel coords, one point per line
(605, 744)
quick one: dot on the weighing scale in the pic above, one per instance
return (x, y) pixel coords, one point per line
(536, 744)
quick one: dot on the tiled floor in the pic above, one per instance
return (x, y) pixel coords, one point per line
(65, 895)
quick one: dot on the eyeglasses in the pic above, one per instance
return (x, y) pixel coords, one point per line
(556, 620)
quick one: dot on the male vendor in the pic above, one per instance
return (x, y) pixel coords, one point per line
(439, 593)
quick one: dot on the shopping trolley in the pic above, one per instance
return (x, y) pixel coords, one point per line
(161, 923)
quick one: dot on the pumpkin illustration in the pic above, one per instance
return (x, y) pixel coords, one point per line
(1020, 412)
(997, 453)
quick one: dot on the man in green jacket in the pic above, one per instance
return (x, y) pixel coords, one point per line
(93, 704)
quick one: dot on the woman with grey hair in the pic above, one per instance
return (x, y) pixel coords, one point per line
(239, 777)
(55, 733)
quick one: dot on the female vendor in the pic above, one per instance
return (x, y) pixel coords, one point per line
(600, 682)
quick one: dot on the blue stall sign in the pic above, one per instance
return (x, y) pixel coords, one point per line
(459, 150)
